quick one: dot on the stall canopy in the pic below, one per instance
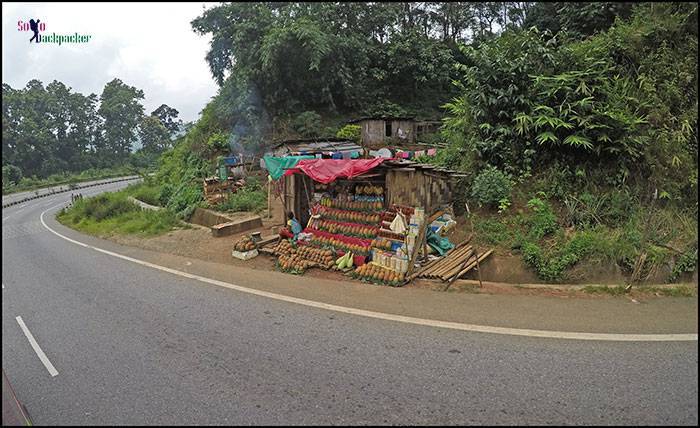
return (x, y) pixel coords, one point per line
(277, 166)
(328, 170)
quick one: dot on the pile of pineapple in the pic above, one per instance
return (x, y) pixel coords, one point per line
(379, 274)
(244, 244)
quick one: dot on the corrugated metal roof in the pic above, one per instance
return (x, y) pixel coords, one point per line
(321, 145)
(381, 118)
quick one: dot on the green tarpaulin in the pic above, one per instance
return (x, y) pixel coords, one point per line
(438, 243)
(277, 166)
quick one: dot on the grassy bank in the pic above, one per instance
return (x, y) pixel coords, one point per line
(113, 214)
(561, 238)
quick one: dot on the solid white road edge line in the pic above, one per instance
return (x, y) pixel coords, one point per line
(44, 359)
(398, 318)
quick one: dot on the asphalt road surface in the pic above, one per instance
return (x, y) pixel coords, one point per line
(126, 344)
(44, 191)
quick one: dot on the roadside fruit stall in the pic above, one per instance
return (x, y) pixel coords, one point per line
(364, 217)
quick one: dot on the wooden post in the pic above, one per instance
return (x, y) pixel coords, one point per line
(474, 254)
(269, 198)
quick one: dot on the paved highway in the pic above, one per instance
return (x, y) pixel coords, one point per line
(12, 197)
(88, 338)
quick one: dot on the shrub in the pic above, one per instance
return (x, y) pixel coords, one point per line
(490, 187)
(11, 175)
(493, 231)
(105, 206)
(586, 210)
(350, 132)
(551, 266)
(249, 198)
(619, 206)
(145, 193)
(686, 263)
(542, 221)
(218, 142)
(113, 213)
(308, 124)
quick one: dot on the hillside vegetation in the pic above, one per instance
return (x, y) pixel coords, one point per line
(576, 123)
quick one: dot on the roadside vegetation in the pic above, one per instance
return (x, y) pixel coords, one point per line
(583, 150)
(52, 135)
(252, 197)
(113, 214)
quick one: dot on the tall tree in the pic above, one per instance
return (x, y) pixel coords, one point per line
(168, 117)
(121, 110)
(155, 137)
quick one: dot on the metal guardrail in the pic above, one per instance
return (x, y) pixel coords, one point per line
(53, 192)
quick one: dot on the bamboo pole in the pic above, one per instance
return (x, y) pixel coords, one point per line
(457, 264)
(454, 260)
(435, 264)
(469, 267)
(454, 268)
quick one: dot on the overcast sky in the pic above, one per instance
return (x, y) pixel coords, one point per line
(147, 45)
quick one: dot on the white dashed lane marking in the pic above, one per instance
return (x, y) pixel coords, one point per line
(44, 359)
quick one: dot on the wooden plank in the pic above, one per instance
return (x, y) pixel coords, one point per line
(451, 258)
(435, 216)
(265, 241)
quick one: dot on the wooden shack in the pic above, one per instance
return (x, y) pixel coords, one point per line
(406, 183)
(378, 131)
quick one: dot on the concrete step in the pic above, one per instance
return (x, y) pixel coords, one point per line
(236, 226)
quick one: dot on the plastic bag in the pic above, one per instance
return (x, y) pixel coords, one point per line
(398, 225)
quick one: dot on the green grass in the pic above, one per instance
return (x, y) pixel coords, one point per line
(252, 197)
(112, 214)
(145, 193)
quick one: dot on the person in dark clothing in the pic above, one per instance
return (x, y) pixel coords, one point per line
(34, 25)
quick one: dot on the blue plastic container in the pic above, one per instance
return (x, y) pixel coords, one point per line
(229, 161)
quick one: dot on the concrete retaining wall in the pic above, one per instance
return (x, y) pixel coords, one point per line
(223, 225)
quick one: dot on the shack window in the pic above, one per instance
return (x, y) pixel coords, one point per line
(387, 126)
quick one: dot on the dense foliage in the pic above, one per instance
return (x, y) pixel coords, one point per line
(53, 131)
(593, 111)
(344, 56)
(609, 102)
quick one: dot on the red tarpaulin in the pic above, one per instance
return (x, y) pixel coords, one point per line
(327, 170)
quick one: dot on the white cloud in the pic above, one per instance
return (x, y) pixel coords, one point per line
(147, 45)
